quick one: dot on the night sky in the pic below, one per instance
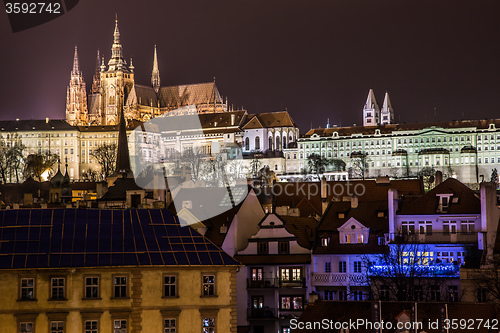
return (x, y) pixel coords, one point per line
(317, 59)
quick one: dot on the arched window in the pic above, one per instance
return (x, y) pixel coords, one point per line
(277, 143)
(257, 143)
(247, 144)
(284, 142)
(270, 143)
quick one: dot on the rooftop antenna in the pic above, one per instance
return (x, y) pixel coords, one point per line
(435, 114)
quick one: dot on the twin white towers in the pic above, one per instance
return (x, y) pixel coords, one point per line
(373, 116)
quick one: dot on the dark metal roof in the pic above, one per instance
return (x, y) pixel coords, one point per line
(56, 238)
(35, 124)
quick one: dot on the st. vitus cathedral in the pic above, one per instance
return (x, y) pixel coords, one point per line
(114, 89)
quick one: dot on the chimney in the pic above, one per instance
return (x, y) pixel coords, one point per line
(392, 204)
(232, 119)
(354, 201)
(324, 188)
(223, 229)
(439, 178)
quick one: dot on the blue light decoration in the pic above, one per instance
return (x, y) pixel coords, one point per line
(432, 270)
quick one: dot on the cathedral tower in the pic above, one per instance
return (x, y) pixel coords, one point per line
(76, 96)
(116, 82)
(155, 75)
(387, 113)
(371, 111)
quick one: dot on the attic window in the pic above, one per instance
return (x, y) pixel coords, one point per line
(454, 200)
(380, 214)
(353, 226)
(341, 215)
(325, 241)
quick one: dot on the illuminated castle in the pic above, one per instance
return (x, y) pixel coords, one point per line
(114, 89)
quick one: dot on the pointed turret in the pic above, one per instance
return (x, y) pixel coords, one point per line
(122, 154)
(96, 82)
(387, 113)
(117, 62)
(76, 64)
(155, 75)
(371, 111)
(76, 96)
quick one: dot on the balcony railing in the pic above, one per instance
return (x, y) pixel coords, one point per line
(263, 313)
(263, 283)
(276, 283)
(338, 279)
(438, 237)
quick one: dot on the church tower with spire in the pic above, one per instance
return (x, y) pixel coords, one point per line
(371, 111)
(76, 96)
(155, 75)
(387, 113)
(116, 82)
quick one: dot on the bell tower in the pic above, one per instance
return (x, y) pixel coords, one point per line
(116, 82)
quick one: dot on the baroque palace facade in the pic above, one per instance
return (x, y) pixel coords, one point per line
(467, 150)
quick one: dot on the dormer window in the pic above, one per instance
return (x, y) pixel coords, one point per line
(444, 202)
(325, 241)
(347, 238)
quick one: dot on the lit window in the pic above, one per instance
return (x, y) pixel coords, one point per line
(120, 286)
(257, 274)
(170, 286)
(360, 238)
(57, 288)
(325, 241)
(28, 289)
(208, 325)
(120, 326)
(208, 285)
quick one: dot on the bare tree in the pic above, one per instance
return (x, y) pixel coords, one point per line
(359, 165)
(37, 164)
(427, 174)
(105, 156)
(15, 161)
(255, 163)
(194, 159)
(406, 272)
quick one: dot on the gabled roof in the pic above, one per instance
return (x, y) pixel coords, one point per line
(270, 120)
(468, 202)
(366, 213)
(302, 227)
(118, 192)
(57, 238)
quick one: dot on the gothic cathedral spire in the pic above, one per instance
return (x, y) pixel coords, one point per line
(117, 62)
(76, 97)
(96, 82)
(155, 75)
